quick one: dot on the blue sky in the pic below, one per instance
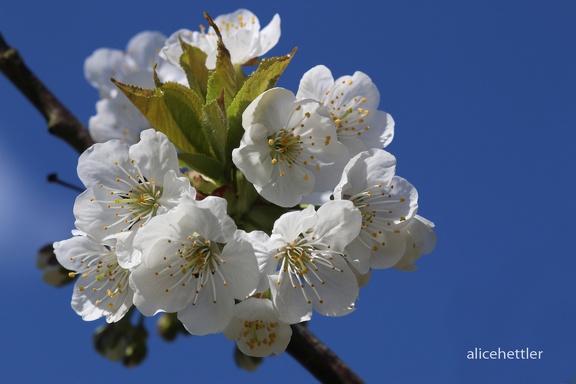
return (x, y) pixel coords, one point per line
(483, 94)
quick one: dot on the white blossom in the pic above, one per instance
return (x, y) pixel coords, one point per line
(306, 268)
(196, 263)
(102, 287)
(289, 148)
(126, 187)
(420, 240)
(257, 329)
(116, 117)
(387, 202)
(241, 35)
(353, 105)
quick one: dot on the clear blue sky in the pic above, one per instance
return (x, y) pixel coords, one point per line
(484, 98)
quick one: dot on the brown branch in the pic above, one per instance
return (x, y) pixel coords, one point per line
(318, 359)
(60, 120)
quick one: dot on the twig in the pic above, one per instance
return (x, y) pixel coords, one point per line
(318, 359)
(60, 120)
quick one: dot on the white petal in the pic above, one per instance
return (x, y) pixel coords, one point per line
(240, 267)
(155, 154)
(356, 91)
(271, 336)
(256, 309)
(390, 253)
(286, 186)
(271, 109)
(269, 36)
(315, 83)
(253, 156)
(116, 119)
(290, 225)
(266, 262)
(100, 66)
(159, 293)
(338, 293)
(289, 301)
(338, 224)
(365, 170)
(172, 50)
(144, 48)
(420, 240)
(358, 255)
(207, 316)
(96, 164)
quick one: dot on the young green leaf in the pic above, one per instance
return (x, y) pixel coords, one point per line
(205, 165)
(215, 126)
(224, 75)
(264, 78)
(174, 110)
(193, 62)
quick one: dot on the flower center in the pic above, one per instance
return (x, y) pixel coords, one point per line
(259, 332)
(285, 146)
(298, 257)
(197, 262)
(199, 255)
(300, 261)
(103, 274)
(380, 210)
(349, 120)
(134, 197)
(350, 123)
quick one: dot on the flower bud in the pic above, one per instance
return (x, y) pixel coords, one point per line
(111, 340)
(249, 363)
(169, 326)
(121, 341)
(53, 273)
(137, 350)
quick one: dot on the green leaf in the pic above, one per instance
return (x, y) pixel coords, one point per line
(261, 217)
(215, 126)
(224, 75)
(193, 62)
(264, 78)
(205, 165)
(174, 110)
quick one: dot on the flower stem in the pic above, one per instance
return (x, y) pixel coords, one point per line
(61, 122)
(318, 359)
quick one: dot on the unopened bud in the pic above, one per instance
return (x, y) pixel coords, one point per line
(169, 326)
(52, 272)
(137, 350)
(248, 363)
(111, 340)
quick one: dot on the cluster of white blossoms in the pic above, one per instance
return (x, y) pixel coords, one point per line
(145, 238)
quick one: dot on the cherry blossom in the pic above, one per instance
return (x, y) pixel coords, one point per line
(102, 287)
(387, 203)
(307, 269)
(126, 187)
(196, 263)
(257, 329)
(289, 148)
(353, 105)
(241, 35)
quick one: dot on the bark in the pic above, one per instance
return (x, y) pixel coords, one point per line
(61, 122)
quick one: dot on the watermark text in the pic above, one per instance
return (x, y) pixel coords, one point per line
(504, 354)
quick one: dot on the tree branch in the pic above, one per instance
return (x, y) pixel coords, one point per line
(60, 120)
(318, 359)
